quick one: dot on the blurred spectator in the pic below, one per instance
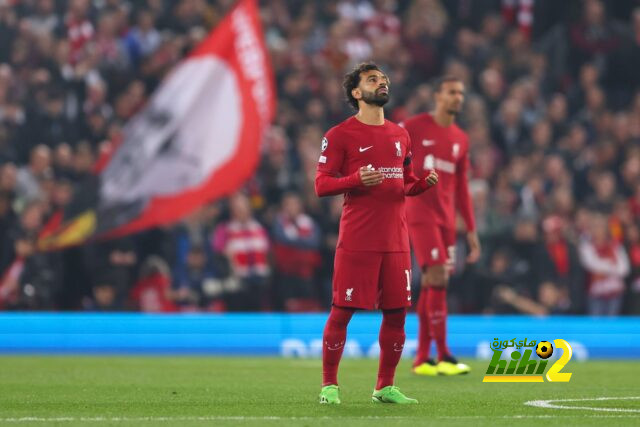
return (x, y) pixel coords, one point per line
(560, 268)
(244, 243)
(296, 243)
(113, 264)
(142, 39)
(104, 296)
(550, 300)
(29, 177)
(152, 292)
(594, 36)
(632, 245)
(40, 283)
(607, 264)
(190, 286)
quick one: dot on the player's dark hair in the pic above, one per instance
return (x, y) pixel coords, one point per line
(438, 82)
(352, 80)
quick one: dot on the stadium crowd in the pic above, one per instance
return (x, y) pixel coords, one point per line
(552, 111)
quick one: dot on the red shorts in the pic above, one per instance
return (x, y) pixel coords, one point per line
(433, 244)
(372, 280)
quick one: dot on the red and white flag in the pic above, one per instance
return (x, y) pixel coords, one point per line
(196, 140)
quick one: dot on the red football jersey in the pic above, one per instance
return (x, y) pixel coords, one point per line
(373, 218)
(445, 149)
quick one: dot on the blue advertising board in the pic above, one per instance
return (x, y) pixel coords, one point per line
(295, 335)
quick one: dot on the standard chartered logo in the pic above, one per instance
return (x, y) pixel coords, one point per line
(392, 172)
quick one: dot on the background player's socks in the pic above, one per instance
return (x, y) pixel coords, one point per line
(333, 339)
(437, 312)
(424, 336)
(391, 340)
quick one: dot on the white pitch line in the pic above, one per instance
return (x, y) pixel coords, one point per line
(550, 404)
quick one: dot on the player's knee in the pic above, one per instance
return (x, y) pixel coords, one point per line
(424, 279)
(394, 318)
(437, 276)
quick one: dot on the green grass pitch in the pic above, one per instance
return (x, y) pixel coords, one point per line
(198, 391)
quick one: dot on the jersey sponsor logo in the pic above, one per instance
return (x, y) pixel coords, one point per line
(456, 149)
(392, 172)
(398, 149)
(322, 159)
(325, 144)
(431, 162)
(428, 142)
(348, 294)
(362, 150)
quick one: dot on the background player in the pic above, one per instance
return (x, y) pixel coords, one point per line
(439, 144)
(368, 159)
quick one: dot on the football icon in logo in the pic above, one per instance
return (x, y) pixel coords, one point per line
(544, 349)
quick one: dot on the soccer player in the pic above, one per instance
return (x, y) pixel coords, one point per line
(438, 144)
(368, 159)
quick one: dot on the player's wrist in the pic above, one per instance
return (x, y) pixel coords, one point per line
(355, 179)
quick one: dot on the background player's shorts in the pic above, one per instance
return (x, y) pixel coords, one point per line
(433, 244)
(372, 280)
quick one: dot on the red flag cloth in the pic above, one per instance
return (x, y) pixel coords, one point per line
(196, 140)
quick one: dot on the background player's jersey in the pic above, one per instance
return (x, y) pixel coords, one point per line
(373, 218)
(445, 149)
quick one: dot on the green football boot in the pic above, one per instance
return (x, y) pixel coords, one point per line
(391, 394)
(330, 395)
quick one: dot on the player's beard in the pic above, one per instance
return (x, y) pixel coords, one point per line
(455, 110)
(375, 98)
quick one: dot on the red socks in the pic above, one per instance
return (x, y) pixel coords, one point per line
(424, 336)
(391, 340)
(333, 339)
(437, 314)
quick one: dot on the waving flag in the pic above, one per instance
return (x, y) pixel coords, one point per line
(196, 140)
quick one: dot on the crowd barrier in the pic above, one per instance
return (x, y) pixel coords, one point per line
(295, 335)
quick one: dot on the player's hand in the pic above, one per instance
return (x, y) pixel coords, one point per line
(370, 177)
(474, 247)
(432, 179)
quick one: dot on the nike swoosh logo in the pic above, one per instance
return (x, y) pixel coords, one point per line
(362, 150)
(428, 142)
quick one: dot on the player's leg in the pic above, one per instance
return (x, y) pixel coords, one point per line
(391, 339)
(428, 247)
(424, 335)
(438, 278)
(333, 339)
(395, 297)
(355, 280)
